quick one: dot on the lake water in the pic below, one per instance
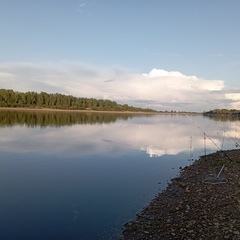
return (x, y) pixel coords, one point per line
(82, 176)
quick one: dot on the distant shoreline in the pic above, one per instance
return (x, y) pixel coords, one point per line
(69, 110)
(89, 111)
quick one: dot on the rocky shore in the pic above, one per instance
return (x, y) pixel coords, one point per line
(202, 203)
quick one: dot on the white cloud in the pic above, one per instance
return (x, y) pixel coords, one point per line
(159, 89)
(162, 73)
(234, 99)
(81, 6)
(181, 81)
(233, 96)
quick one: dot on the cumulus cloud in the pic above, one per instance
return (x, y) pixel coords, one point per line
(158, 89)
(234, 99)
(181, 81)
(233, 96)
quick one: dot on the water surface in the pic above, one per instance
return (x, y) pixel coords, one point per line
(82, 176)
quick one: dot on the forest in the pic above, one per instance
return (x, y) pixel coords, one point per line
(223, 114)
(14, 99)
(229, 112)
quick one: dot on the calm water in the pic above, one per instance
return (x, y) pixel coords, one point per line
(82, 176)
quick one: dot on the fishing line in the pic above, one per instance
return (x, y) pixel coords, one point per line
(223, 139)
(237, 121)
(236, 131)
(205, 135)
(191, 150)
(236, 143)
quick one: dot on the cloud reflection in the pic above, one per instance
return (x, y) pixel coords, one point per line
(156, 135)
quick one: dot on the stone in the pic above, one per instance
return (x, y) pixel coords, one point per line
(191, 209)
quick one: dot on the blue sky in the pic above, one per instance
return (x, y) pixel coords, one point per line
(168, 55)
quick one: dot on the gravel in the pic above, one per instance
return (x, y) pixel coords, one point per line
(190, 208)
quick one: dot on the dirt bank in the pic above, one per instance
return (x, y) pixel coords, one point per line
(91, 111)
(70, 110)
(192, 209)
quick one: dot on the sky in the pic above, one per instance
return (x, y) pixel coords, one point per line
(166, 55)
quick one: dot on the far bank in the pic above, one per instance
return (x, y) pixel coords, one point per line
(94, 111)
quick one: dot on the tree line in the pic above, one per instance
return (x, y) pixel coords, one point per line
(228, 112)
(223, 114)
(10, 98)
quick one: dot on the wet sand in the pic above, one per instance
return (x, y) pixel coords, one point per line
(192, 209)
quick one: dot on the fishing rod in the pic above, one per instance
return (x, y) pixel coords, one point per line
(236, 143)
(205, 135)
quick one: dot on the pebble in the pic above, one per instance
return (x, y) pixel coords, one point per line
(191, 209)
